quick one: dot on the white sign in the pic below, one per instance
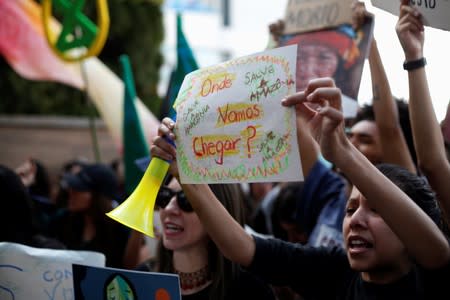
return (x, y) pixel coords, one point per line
(231, 126)
(40, 274)
(436, 13)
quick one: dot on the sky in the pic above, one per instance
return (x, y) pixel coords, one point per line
(248, 34)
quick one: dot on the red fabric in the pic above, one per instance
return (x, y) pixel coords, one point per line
(341, 43)
(23, 45)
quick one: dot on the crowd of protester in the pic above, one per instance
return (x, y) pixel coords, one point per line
(369, 221)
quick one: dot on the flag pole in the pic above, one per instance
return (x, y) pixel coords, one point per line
(91, 113)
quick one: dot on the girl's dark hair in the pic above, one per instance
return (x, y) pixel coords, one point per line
(17, 224)
(416, 188)
(106, 230)
(41, 185)
(284, 208)
(223, 271)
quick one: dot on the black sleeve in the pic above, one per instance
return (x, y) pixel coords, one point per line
(249, 286)
(307, 270)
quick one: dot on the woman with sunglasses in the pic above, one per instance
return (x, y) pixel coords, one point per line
(186, 249)
(394, 247)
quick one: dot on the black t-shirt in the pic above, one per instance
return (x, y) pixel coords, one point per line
(324, 273)
(245, 287)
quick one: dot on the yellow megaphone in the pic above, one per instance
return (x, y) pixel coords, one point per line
(137, 210)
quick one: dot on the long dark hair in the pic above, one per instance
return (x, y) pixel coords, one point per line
(223, 272)
(17, 222)
(106, 235)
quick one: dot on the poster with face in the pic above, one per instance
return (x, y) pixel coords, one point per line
(92, 283)
(338, 53)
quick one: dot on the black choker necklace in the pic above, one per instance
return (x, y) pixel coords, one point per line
(195, 279)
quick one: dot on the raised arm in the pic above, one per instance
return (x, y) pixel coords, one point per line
(229, 236)
(428, 139)
(393, 144)
(425, 243)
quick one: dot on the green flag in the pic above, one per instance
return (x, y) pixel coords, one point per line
(186, 63)
(134, 144)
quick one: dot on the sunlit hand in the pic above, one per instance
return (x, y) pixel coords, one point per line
(307, 117)
(359, 14)
(327, 125)
(410, 31)
(162, 148)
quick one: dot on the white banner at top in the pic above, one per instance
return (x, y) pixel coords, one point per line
(436, 13)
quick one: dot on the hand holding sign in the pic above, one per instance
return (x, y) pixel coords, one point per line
(435, 13)
(410, 32)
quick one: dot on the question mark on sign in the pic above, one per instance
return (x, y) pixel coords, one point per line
(251, 133)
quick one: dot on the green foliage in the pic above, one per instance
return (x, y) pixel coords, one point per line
(136, 30)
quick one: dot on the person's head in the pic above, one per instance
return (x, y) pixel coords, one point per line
(365, 137)
(92, 189)
(372, 247)
(70, 167)
(284, 223)
(35, 177)
(322, 54)
(17, 221)
(182, 230)
(364, 133)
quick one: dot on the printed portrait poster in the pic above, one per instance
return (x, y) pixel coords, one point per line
(40, 274)
(339, 53)
(231, 126)
(93, 283)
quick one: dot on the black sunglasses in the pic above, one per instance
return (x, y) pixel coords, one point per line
(165, 194)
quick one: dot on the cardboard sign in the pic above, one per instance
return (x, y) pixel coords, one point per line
(40, 274)
(436, 13)
(309, 15)
(339, 53)
(92, 283)
(231, 126)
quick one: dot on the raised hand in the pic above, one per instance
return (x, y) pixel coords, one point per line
(410, 31)
(163, 145)
(327, 124)
(359, 14)
(276, 30)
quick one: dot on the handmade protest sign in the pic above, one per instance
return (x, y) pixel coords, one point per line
(40, 274)
(92, 283)
(308, 15)
(435, 13)
(231, 126)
